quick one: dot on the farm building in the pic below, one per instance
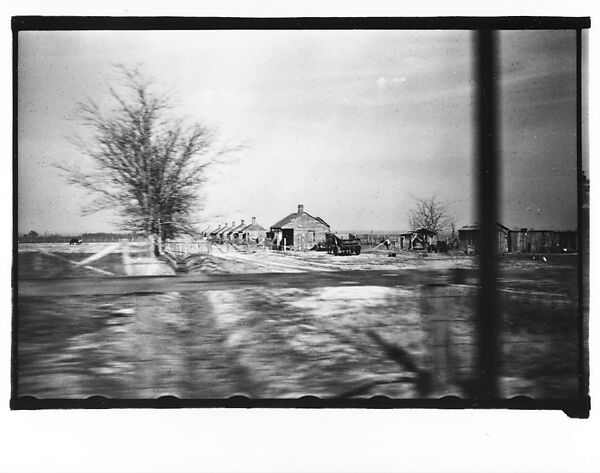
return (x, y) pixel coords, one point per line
(420, 239)
(566, 241)
(253, 232)
(468, 237)
(226, 232)
(236, 232)
(542, 241)
(299, 230)
(205, 232)
(215, 232)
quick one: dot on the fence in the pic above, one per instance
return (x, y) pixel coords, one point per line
(85, 237)
(182, 249)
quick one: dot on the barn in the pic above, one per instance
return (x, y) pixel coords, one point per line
(299, 230)
(468, 237)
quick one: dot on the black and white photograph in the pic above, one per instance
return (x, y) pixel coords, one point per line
(311, 214)
(320, 237)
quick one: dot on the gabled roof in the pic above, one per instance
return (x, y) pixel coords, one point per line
(216, 230)
(253, 227)
(231, 229)
(475, 226)
(239, 228)
(285, 221)
(226, 229)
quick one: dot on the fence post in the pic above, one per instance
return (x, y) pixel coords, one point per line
(126, 258)
(452, 369)
(434, 312)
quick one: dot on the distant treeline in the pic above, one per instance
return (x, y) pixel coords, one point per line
(34, 237)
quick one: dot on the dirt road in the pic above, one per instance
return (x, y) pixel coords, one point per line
(400, 327)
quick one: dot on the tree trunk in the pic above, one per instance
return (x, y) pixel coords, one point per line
(156, 244)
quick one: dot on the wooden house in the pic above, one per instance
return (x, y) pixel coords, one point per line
(225, 231)
(299, 230)
(253, 232)
(237, 231)
(214, 234)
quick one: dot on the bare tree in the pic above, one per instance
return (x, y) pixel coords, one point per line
(430, 214)
(146, 165)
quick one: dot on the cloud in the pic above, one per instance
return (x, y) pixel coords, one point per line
(383, 81)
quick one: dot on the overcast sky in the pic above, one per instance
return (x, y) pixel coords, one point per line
(352, 124)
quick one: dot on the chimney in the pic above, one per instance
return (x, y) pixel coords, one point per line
(253, 220)
(233, 224)
(300, 208)
(242, 223)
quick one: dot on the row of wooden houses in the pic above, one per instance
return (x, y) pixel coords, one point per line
(298, 230)
(302, 231)
(236, 233)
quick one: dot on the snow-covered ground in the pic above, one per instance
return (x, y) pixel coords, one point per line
(220, 260)
(262, 341)
(83, 248)
(47, 260)
(298, 261)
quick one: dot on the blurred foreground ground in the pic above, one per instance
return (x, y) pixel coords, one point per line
(332, 326)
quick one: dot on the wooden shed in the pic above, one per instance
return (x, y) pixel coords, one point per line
(542, 241)
(468, 237)
(420, 239)
(299, 230)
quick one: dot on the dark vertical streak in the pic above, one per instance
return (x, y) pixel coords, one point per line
(581, 227)
(486, 158)
(14, 283)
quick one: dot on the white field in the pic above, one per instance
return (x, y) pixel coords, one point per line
(228, 260)
(298, 261)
